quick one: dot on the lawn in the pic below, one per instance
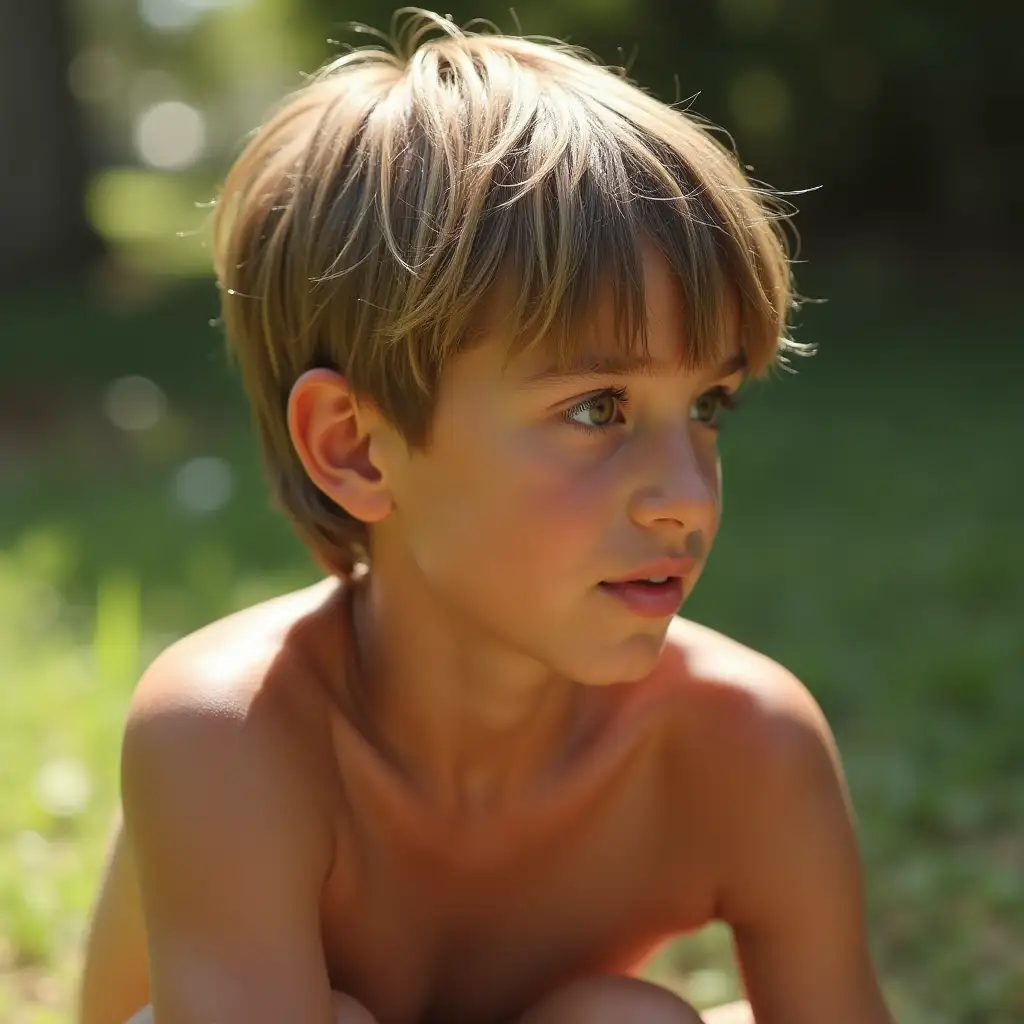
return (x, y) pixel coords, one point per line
(871, 543)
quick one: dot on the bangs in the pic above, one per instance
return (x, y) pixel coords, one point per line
(563, 269)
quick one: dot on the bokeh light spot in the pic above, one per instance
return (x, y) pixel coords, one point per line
(134, 403)
(170, 136)
(204, 485)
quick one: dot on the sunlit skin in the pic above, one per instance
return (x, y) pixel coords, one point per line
(493, 788)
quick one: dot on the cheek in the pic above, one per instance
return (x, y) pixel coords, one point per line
(504, 514)
(560, 508)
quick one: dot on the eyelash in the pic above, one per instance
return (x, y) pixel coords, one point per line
(727, 400)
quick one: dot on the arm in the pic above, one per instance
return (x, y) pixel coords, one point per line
(795, 893)
(113, 982)
(231, 851)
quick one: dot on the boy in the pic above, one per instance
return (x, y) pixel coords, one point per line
(490, 302)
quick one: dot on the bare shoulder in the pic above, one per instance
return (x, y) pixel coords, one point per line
(735, 697)
(750, 748)
(224, 758)
(239, 699)
(240, 649)
(758, 775)
(253, 664)
(743, 720)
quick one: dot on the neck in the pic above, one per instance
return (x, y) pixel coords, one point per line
(470, 723)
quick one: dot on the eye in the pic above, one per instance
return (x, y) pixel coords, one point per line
(706, 409)
(598, 409)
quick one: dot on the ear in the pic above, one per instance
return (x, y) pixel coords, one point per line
(333, 436)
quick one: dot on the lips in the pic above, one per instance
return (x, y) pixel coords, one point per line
(635, 591)
(649, 600)
(672, 567)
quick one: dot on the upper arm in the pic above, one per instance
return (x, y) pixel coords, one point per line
(114, 980)
(230, 852)
(794, 891)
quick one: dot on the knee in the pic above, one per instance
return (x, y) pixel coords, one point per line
(346, 1011)
(612, 999)
(349, 1011)
(617, 999)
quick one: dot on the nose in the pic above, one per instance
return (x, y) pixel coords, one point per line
(679, 485)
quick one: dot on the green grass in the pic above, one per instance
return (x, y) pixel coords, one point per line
(871, 543)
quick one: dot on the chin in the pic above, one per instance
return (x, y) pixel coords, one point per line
(627, 662)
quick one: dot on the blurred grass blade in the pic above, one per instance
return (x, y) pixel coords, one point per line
(116, 639)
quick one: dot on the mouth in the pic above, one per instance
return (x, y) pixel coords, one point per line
(649, 597)
(660, 572)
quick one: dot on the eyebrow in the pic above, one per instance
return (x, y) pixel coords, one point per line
(621, 364)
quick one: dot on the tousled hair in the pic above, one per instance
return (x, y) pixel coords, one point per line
(364, 226)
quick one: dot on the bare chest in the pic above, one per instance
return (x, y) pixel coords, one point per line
(474, 926)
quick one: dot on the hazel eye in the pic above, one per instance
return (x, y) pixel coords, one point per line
(598, 411)
(707, 408)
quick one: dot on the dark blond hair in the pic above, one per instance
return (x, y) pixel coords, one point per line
(363, 227)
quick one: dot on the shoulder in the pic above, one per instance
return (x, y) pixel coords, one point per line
(255, 666)
(753, 745)
(229, 719)
(241, 648)
(759, 779)
(742, 698)
(743, 724)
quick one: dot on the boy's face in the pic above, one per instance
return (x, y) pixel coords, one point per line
(536, 490)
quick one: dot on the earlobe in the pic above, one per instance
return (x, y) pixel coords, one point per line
(332, 433)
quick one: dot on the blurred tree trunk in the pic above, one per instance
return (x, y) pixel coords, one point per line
(43, 166)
